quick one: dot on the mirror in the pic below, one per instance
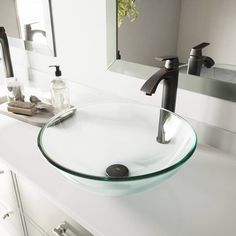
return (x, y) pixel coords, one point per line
(174, 27)
(31, 21)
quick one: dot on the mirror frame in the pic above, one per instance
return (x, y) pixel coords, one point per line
(197, 84)
(50, 48)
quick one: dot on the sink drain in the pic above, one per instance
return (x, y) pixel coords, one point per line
(117, 171)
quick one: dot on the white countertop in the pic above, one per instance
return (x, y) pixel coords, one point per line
(198, 200)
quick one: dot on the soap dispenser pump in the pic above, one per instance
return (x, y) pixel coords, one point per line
(59, 92)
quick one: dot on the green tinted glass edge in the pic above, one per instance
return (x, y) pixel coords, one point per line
(109, 179)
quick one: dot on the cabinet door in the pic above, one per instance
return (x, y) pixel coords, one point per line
(7, 193)
(10, 218)
(41, 212)
(10, 222)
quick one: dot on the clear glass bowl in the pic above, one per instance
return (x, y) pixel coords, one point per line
(99, 136)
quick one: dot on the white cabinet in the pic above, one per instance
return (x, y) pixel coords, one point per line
(43, 214)
(26, 211)
(7, 193)
(10, 217)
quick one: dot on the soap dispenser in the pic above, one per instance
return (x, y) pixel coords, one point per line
(59, 92)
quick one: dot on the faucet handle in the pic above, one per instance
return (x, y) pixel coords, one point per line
(197, 50)
(201, 46)
(165, 58)
(172, 62)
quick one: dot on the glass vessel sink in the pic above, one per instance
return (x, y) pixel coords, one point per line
(111, 148)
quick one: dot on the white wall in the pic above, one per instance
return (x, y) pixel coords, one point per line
(212, 21)
(80, 32)
(80, 36)
(153, 34)
(80, 39)
(8, 17)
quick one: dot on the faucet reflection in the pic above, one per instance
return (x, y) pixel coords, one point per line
(13, 87)
(196, 60)
(29, 32)
(6, 53)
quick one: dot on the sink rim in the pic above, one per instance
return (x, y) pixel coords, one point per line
(107, 178)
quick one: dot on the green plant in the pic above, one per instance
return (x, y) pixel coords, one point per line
(126, 8)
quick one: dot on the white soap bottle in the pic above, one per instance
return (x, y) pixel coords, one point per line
(59, 92)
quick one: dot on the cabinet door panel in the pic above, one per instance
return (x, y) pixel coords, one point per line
(43, 212)
(7, 193)
(10, 219)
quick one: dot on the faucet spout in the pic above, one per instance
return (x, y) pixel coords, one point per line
(6, 53)
(169, 75)
(151, 84)
(208, 62)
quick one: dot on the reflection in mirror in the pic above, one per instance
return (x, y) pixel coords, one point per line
(31, 21)
(167, 27)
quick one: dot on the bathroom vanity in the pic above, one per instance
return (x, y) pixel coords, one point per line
(198, 200)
